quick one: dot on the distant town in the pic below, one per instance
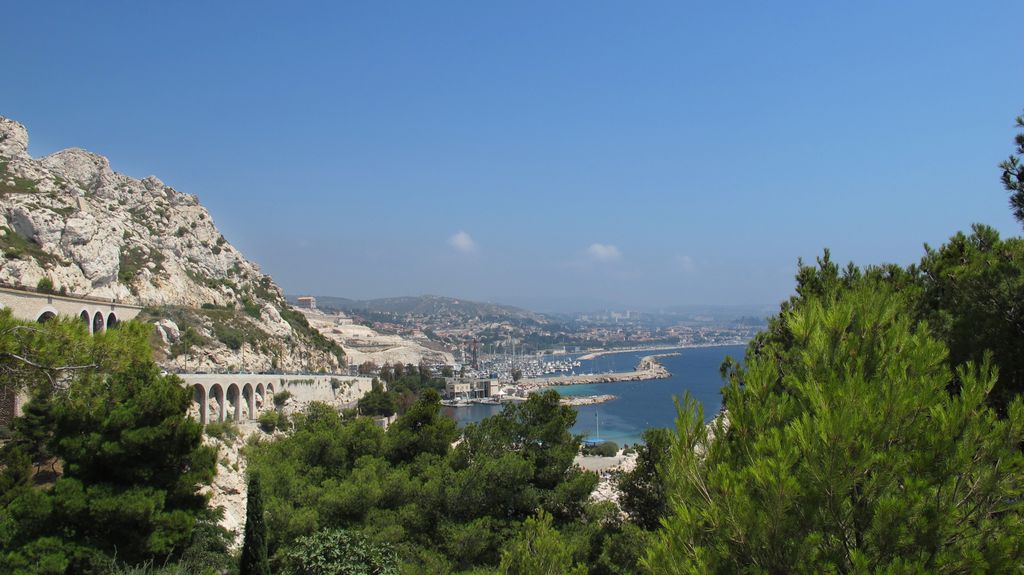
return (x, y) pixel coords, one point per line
(488, 341)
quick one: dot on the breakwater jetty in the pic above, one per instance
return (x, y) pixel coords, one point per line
(647, 368)
(576, 400)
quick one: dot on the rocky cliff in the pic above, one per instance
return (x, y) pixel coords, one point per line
(72, 224)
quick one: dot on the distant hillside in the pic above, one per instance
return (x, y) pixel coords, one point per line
(429, 305)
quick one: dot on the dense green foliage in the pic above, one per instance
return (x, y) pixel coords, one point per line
(43, 357)
(972, 291)
(378, 402)
(226, 430)
(603, 449)
(132, 462)
(410, 378)
(538, 549)
(643, 488)
(441, 509)
(968, 292)
(844, 452)
(34, 429)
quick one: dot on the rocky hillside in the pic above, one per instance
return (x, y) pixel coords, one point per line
(72, 224)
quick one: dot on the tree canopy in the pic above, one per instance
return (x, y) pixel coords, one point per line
(842, 450)
(132, 462)
(440, 509)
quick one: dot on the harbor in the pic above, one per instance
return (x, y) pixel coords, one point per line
(648, 368)
(638, 404)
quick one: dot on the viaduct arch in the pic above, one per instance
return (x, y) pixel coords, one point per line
(96, 313)
(245, 396)
(216, 401)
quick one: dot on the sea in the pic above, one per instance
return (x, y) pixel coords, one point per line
(639, 404)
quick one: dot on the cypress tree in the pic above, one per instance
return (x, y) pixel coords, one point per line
(254, 545)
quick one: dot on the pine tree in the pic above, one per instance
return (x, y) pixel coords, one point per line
(539, 549)
(1013, 174)
(254, 545)
(33, 431)
(643, 488)
(132, 462)
(845, 452)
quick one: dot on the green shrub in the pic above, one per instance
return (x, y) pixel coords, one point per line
(268, 421)
(251, 308)
(317, 339)
(229, 336)
(189, 338)
(17, 247)
(378, 402)
(45, 285)
(271, 420)
(20, 186)
(281, 397)
(339, 552)
(606, 449)
(222, 430)
(133, 260)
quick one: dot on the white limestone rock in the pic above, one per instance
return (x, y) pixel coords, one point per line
(273, 322)
(229, 490)
(13, 139)
(78, 231)
(104, 234)
(80, 166)
(168, 331)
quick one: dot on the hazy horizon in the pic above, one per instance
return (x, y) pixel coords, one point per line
(573, 306)
(567, 157)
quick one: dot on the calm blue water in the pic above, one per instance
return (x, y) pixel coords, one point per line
(640, 404)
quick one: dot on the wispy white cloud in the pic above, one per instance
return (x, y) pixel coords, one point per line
(603, 252)
(686, 264)
(463, 242)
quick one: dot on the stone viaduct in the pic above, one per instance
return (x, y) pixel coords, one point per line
(241, 396)
(99, 314)
(215, 397)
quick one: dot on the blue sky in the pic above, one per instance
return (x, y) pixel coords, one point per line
(558, 155)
